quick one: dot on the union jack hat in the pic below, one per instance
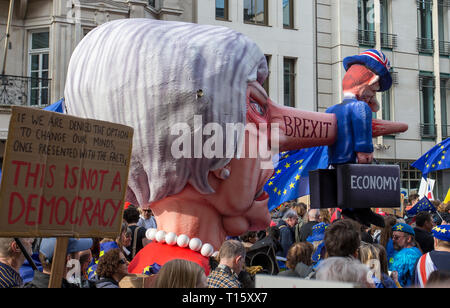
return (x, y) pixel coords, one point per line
(377, 62)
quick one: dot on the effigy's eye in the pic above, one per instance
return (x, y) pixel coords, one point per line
(257, 107)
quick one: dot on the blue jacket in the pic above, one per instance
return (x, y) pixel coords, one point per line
(287, 238)
(354, 121)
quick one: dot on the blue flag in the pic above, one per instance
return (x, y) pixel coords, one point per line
(424, 205)
(56, 107)
(435, 159)
(290, 179)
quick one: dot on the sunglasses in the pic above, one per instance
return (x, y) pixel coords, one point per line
(122, 261)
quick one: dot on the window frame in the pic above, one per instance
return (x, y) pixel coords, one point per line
(40, 52)
(226, 11)
(292, 81)
(266, 14)
(291, 24)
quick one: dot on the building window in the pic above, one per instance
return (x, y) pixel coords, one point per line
(444, 44)
(428, 124)
(222, 9)
(445, 86)
(425, 43)
(152, 3)
(366, 25)
(289, 82)
(266, 84)
(256, 12)
(38, 56)
(386, 104)
(288, 14)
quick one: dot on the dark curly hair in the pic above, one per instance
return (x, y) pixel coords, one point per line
(109, 263)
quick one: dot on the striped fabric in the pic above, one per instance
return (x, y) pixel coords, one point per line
(378, 56)
(424, 268)
(9, 278)
(151, 75)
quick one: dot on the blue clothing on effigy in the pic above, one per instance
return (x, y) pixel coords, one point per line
(354, 134)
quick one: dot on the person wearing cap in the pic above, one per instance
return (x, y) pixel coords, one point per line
(436, 260)
(405, 260)
(46, 250)
(316, 239)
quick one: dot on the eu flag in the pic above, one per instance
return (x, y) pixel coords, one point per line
(435, 159)
(290, 179)
(424, 205)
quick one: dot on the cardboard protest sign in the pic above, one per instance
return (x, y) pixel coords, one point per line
(63, 176)
(267, 281)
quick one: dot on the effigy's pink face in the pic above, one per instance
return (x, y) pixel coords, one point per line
(241, 199)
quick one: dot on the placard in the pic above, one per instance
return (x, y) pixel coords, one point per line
(368, 186)
(63, 175)
(267, 281)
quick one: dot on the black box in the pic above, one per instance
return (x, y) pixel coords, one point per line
(368, 186)
(323, 188)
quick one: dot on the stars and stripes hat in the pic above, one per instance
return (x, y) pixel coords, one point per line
(442, 232)
(377, 62)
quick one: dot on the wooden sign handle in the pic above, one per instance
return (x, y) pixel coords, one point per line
(59, 262)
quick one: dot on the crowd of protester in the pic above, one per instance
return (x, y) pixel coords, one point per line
(300, 243)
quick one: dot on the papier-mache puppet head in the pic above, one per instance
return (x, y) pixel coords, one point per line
(179, 85)
(367, 73)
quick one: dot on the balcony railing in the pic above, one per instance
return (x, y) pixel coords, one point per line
(445, 131)
(444, 48)
(425, 45)
(388, 40)
(428, 130)
(366, 37)
(24, 91)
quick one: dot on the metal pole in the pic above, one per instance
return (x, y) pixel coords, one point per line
(8, 26)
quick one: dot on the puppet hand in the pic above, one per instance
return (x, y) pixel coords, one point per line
(364, 158)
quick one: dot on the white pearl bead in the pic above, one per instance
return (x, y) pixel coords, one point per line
(171, 238)
(160, 236)
(150, 234)
(195, 244)
(207, 250)
(183, 240)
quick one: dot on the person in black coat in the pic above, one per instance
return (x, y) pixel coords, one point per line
(424, 225)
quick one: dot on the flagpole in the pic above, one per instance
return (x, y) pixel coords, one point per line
(8, 26)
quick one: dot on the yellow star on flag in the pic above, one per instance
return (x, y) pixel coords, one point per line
(292, 185)
(287, 165)
(297, 177)
(399, 228)
(279, 193)
(270, 183)
(301, 167)
(275, 190)
(278, 171)
(285, 192)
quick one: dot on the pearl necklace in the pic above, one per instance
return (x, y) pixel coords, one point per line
(182, 240)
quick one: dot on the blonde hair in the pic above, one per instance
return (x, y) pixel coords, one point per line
(367, 252)
(179, 273)
(325, 216)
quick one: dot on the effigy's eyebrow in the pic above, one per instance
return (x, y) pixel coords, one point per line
(259, 92)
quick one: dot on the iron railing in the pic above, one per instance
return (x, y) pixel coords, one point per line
(428, 130)
(366, 37)
(24, 91)
(425, 45)
(445, 131)
(388, 40)
(444, 48)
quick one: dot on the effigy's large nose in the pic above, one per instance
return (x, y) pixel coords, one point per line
(302, 129)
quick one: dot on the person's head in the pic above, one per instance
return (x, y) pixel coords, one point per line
(369, 255)
(299, 252)
(232, 253)
(441, 236)
(74, 247)
(438, 279)
(131, 215)
(342, 239)
(273, 232)
(424, 220)
(313, 215)
(340, 269)
(386, 233)
(290, 217)
(249, 237)
(403, 236)
(382, 257)
(324, 216)
(10, 251)
(85, 260)
(113, 264)
(180, 273)
(300, 208)
(147, 211)
(413, 199)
